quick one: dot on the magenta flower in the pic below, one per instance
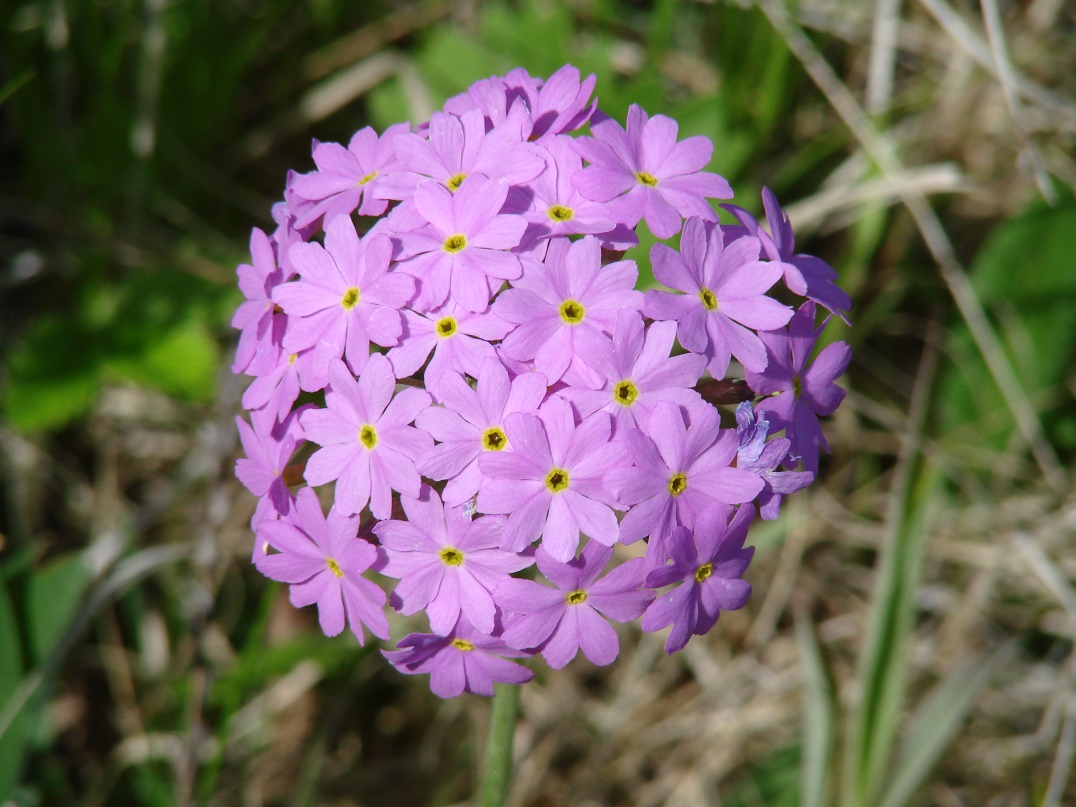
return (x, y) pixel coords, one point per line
(462, 248)
(560, 621)
(571, 293)
(460, 341)
(323, 560)
(466, 660)
(709, 569)
(678, 472)
(725, 296)
(800, 393)
(457, 147)
(646, 174)
(471, 423)
(367, 446)
(637, 371)
(347, 178)
(346, 296)
(805, 275)
(763, 457)
(550, 481)
(447, 563)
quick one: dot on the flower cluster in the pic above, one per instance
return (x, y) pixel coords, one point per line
(494, 410)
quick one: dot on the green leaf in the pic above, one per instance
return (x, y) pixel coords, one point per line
(52, 375)
(13, 741)
(818, 709)
(1023, 276)
(53, 595)
(935, 724)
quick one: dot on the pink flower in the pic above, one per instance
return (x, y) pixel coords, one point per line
(725, 296)
(637, 371)
(261, 329)
(463, 247)
(550, 481)
(571, 293)
(466, 660)
(460, 341)
(347, 178)
(678, 472)
(323, 560)
(368, 448)
(346, 296)
(447, 563)
(646, 174)
(457, 147)
(471, 423)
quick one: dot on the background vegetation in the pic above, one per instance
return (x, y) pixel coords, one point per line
(911, 636)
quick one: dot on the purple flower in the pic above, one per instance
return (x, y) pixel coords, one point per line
(763, 457)
(646, 174)
(457, 147)
(466, 660)
(708, 569)
(471, 423)
(460, 341)
(571, 617)
(552, 204)
(570, 294)
(637, 371)
(447, 563)
(346, 296)
(725, 296)
(367, 445)
(256, 353)
(679, 471)
(799, 393)
(347, 178)
(268, 446)
(805, 275)
(549, 482)
(560, 104)
(462, 248)
(324, 560)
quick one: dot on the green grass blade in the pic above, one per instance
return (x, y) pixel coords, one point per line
(818, 709)
(935, 724)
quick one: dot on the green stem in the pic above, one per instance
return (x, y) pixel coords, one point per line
(502, 729)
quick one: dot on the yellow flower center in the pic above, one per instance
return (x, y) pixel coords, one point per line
(677, 484)
(454, 243)
(451, 556)
(334, 567)
(572, 312)
(368, 436)
(576, 597)
(351, 298)
(797, 386)
(709, 299)
(446, 327)
(625, 392)
(561, 213)
(647, 179)
(462, 644)
(704, 572)
(494, 439)
(367, 178)
(292, 358)
(557, 480)
(455, 182)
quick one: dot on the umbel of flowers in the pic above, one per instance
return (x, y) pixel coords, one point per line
(496, 414)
